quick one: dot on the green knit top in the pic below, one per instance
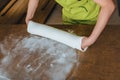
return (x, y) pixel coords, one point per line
(79, 11)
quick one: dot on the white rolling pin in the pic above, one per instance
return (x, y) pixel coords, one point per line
(71, 40)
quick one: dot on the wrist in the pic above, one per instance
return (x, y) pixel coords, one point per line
(92, 39)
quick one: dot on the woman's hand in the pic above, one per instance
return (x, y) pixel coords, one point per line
(32, 6)
(27, 19)
(86, 42)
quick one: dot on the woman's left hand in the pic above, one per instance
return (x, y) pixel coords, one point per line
(86, 42)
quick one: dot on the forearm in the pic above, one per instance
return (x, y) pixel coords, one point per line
(32, 6)
(103, 18)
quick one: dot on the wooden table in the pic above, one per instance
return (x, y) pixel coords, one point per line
(100, 62)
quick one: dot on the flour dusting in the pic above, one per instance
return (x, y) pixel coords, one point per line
(35, 58)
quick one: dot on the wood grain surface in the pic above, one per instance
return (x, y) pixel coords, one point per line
(14, 11)
(100, 62)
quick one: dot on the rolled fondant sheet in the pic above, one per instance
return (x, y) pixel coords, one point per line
(64, 37)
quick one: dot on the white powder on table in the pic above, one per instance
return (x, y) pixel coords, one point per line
(36, 58)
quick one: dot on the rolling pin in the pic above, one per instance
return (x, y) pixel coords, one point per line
(61, 36)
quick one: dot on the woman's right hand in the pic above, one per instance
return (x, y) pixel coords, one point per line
(32, 6)
(27, 20)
